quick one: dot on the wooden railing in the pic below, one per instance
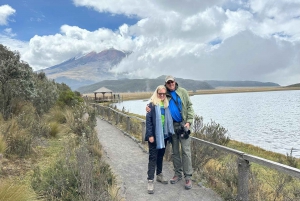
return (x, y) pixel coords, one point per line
(243, 159)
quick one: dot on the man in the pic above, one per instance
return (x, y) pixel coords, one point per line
(182, 113)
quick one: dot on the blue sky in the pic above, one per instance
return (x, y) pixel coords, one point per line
(43, 17)
(202, 40)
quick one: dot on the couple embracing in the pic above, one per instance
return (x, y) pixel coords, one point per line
(169, 117)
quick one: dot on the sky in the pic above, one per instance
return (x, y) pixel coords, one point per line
(201, 40)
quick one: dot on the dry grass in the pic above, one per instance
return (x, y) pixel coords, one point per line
(3, 144)
(12, 191)
(242, 89)
(147, 95)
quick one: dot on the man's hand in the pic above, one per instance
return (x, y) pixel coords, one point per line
(148, 108)
(151, 139)
(187, 124)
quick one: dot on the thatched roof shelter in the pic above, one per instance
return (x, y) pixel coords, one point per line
(103, 90)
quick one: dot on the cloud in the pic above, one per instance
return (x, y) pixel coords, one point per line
(8, 32)
(213, 39)
(53, 49)
(5, 12)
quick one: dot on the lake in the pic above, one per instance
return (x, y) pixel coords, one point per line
(270, 120)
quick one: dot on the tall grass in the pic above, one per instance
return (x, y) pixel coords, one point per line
(79, 173)
(18, 139)
(12, 191)
(3, 145)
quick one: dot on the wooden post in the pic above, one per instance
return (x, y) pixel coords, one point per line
(243, 179)
(108, 114)
(128, 124)
(118, 118)
(98, 109)
(102, 112)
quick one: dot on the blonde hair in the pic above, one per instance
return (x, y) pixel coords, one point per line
(154, 98)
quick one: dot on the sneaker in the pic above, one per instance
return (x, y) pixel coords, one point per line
(150, 187)
(175, 179)
(188, 184)
(160, 178)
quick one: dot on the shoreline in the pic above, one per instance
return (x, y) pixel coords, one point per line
(147, 95)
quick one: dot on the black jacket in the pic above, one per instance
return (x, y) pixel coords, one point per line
(150, 123)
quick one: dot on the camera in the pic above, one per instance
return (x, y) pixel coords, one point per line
(185, 131)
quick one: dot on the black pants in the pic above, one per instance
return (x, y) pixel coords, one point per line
(156, 157)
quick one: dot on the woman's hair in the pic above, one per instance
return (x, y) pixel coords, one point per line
(155, 100)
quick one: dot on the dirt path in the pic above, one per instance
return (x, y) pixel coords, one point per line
(129, 164)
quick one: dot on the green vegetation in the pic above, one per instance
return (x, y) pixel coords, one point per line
(48, 147)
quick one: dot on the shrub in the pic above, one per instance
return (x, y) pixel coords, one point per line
(25, 114)
(69, 98)
(56, 114)
(54, 129)
(212, 131)
(77, 121)
(76, 175)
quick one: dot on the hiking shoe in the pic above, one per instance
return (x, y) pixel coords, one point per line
(160, 178)
(150, 187)
(175, 179)
(188, 184)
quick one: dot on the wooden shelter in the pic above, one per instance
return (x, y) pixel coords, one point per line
(103, 90)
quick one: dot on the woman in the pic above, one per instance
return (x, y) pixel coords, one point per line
(159, 126)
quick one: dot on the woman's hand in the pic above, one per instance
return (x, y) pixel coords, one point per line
(148, 108)
(151, 139)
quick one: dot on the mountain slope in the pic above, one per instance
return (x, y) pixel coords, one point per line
(90, 68)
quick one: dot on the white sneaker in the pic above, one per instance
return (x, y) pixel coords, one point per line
(150, 187)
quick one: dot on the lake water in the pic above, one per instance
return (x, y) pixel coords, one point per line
(270, 120)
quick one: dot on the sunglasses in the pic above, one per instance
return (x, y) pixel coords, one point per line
(170, 82)
(161, 94)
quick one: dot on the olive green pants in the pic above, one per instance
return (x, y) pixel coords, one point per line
(181, 155)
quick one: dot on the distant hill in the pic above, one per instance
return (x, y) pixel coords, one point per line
(142, 85)
(217, 83)
(294, 85)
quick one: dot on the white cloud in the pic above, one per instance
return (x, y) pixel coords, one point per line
(53, 49)
(5, 12)
(212, 39)
(8, 32)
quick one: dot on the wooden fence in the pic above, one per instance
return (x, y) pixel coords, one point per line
(243, 159)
